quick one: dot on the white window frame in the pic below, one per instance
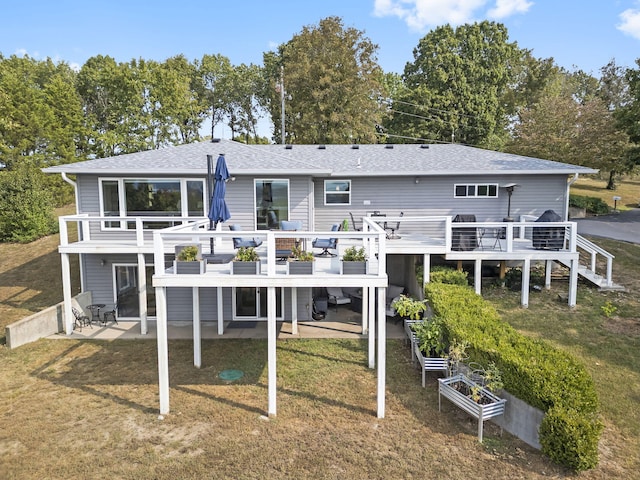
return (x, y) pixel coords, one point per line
(122, 201)
(476, 187)
(255, 198)
(342, 193)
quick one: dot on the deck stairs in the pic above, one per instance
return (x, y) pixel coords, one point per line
(589, 251)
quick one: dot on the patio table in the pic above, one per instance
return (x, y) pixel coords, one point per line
(94, 308)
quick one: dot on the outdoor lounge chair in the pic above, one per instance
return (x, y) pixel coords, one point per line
(243, 242)
(327, 243)
(336, 296)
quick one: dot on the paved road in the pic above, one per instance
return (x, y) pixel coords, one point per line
(623, 226)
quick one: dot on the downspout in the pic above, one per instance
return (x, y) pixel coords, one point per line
(75, 194)
(566, 206)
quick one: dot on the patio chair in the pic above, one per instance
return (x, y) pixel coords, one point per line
(354, 224)
(335, 296)
(243, 242)
(285, 246)
(80, 319)
(110, 315)
(327, 243)
(393, 235)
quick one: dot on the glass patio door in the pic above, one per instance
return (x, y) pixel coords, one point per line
(251, 303)
(126, 291)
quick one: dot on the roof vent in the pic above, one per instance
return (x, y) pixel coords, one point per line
(215, 140)
(355, 147)
(288, 147)
(322, 147)
(388, 146)
(424, 145)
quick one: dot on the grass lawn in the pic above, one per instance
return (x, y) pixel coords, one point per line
(628, 190)
(86, 409)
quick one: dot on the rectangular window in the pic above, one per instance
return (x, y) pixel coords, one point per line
(271, 203)
(151, 198)
(476, 190)
(337, 192)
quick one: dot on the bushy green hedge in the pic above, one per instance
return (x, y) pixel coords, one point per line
(532, 370)
(592, 205)
(448, 275)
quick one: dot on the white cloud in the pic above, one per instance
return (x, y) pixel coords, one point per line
(506, 8)
(420, 15)
(630, 23)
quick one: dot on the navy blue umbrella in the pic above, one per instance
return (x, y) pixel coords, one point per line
(218, 210)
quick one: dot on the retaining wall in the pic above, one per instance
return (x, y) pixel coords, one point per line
(42, 324)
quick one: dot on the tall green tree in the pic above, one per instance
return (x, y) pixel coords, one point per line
(26, 204)
(628, 115)
(332, 84)
(456, 84)
(40, 112)
(216, 77)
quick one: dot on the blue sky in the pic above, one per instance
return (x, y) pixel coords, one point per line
(577, 33)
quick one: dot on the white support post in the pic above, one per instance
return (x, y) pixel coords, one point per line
(142, 293)
(372, 326)
(365, 311)
(197, 336)
(220, 311)
(66, 293)
(547, 274)
(526, 273)
(294, 311)
(382, 352)
(163, 349)
(271, 349)
(477, 276)
(426, 270)
(573, 283)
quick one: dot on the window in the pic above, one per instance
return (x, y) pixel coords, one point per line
(337, 192)
(476, 190)
(151, 198)
(271, 203)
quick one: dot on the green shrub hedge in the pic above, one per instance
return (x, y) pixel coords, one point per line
(593, 205)
(532, 370)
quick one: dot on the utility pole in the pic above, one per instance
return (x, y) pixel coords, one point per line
(282, 133)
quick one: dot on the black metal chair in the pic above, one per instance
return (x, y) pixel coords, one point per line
(80, 319)
(110, 315)
(354, 224)
(393, 235)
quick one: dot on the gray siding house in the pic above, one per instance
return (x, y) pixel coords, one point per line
(406, 205)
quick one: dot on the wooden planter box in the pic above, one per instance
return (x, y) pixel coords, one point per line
(353, 268)
(245, 268)
(431, 364)
(489, 407)
(300, 268)
(189, 268)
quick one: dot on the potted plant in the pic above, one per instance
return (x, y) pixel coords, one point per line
(189, 261)
(409, 308)
(246, 262)
(430, 348)
(301, 262)
(354, 261)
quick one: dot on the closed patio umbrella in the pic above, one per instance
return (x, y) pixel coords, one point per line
(218, 210)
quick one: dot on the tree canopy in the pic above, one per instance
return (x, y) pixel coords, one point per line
(332, 84)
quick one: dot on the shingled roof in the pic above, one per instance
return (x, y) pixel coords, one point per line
(322, 160)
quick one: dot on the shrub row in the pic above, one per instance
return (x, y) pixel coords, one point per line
(593, 205)
(532, 370)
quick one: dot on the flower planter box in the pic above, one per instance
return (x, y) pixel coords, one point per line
(353, 268)
(189, 268)
(431, 364)
(300, 268)
(245, 268)
(456, 389)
